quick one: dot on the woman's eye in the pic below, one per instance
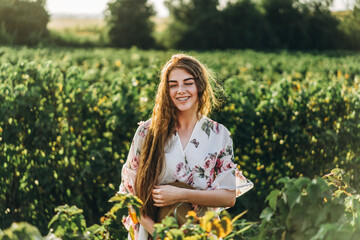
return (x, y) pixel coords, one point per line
(171, 86)
(189, 83)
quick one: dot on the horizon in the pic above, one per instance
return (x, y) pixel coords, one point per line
(75, 8)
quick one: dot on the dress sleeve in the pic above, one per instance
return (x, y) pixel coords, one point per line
(227, 173)
(130, 167)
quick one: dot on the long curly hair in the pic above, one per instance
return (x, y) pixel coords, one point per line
(162, 126)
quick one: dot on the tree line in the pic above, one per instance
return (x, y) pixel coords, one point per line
(203, 24)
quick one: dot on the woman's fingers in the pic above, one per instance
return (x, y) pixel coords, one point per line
(163, 195)
(157, 197)
(159, 205)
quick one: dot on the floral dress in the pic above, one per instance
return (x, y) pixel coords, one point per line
(206, 163)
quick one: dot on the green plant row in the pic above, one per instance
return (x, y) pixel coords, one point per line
(318, 209)
(67, 118)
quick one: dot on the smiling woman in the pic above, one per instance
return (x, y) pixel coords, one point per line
(180, 144)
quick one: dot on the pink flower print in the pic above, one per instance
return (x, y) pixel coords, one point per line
(127, 222)
(134, 163)
(190, 179)
(136, 228)
(209, 162)
(211, 178)
(142, 132)
(219, 164)
(128, 187)
(144, 128)
(216, 125)
(179, 167)
(180, 172)
(228, 165)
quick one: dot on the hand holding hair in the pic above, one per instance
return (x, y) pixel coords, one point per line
(165, 195)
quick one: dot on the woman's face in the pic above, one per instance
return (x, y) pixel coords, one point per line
(183, 90)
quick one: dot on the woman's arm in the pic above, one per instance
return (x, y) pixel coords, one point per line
(148, 223)
(165, 195)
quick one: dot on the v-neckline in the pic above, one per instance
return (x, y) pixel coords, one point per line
(190, 138)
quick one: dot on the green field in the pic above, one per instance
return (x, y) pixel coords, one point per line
(67, 117)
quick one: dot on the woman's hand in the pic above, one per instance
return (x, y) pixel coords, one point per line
(165, 195)
(148, 223)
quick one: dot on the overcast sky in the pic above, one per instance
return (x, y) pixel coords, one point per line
(92, 7)
(96, 7)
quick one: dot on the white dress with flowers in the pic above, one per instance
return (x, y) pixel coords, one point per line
(205, 163)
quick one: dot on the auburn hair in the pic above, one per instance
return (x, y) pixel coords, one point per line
(162, 126)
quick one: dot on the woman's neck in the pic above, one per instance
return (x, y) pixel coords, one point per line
(186, 121)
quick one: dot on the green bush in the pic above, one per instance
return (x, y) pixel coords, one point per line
(321, 208)
(312, 209)
(69, 223)
(21, 231)
(23, 22)
(66, 125)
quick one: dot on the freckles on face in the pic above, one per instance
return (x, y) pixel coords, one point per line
(183, 90)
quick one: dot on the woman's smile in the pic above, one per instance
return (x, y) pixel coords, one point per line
(182, 99)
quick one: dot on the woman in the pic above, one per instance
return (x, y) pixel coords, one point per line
(179, 143)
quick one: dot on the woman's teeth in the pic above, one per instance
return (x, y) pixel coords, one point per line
(183, 99)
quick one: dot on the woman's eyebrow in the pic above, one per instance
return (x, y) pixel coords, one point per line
(186, 79)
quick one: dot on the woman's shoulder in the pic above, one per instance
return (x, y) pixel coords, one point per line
(208, 124)
(143, 128)
(144, 124)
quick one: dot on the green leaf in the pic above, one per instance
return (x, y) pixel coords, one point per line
(73, 210)
(94, 229)
(318, 189)
(54, 219)
(301, 182)
(60, 231)
(170, 222)
(272, 198)
(266, 214)
(293, 195)
(323, 230)
(238, 216)
(117, 198)
(175, 234)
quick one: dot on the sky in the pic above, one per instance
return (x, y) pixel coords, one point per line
(92, 7)
(97, 7)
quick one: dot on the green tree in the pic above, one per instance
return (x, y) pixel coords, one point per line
(245, 26)
(302, 25)
(23, 21)
(287, 23)
(129, 23)
(195, 24)
(351, 27)
(291, 24)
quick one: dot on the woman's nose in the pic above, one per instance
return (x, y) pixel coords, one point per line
(181, 88)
